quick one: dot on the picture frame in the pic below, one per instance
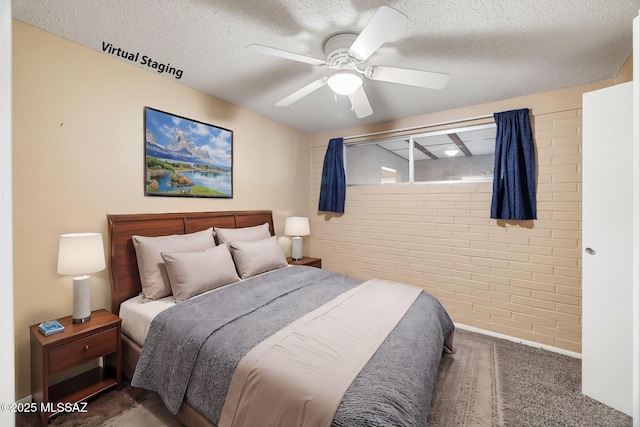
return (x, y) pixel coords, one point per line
(186, 157)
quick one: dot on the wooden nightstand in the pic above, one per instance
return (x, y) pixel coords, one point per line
(78, 344)
(307, 260)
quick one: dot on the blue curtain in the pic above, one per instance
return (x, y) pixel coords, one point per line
(514, 173)
(334, 185)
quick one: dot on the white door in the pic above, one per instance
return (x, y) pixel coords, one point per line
(636, 222)
(607, 245)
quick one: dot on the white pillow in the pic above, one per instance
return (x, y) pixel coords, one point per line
(257, 257)
(192, 273)
(153, 274)
(245, 234)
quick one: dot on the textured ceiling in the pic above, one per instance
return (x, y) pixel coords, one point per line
(492, 49)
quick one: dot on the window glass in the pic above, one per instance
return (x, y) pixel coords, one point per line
(377, 163)
(461, 154)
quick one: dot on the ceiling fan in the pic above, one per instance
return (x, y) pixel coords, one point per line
(346, 52)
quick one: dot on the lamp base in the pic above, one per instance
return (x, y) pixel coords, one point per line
(81, 300)
(86, 319)
(296, 248)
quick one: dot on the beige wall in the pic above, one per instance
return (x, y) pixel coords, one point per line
(78, 155)
(518, 278)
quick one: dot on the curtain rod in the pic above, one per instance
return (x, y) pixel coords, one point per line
(486, 116)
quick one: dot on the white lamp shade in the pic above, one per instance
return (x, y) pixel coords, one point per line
(297, 226)
(80, 253)
(344, 83)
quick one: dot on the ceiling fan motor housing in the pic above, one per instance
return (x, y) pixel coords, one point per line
(336, 48)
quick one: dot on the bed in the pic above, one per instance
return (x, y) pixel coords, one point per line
(393, 385)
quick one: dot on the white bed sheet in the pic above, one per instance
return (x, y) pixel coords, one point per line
(137, 315)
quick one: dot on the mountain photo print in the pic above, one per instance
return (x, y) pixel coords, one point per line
(186, 158)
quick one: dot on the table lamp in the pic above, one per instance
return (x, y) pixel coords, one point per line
(296, 226)
(78, 255)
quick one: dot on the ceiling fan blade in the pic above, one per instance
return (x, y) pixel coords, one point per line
(385, 24)
(302, 92)
(286, 55)
(405, 76)
(360, 103)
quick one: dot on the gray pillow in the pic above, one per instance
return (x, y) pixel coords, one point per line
(253, 258)
(245, 234)
(192, 273)
(153, 273)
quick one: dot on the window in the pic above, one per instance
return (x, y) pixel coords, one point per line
(461, 154)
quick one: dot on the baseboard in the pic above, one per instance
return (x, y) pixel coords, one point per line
(518, 340)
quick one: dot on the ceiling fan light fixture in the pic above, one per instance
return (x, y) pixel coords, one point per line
(344, 83)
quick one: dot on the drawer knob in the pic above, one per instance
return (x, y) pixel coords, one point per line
(86, 347)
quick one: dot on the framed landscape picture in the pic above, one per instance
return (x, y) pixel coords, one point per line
(186, 158)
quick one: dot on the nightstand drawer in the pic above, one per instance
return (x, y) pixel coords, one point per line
(83, 350)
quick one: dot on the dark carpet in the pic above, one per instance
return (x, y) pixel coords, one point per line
(486, 382)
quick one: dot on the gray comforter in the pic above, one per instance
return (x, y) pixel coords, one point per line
(192, 349)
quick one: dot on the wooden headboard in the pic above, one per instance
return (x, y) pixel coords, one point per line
(123, 266)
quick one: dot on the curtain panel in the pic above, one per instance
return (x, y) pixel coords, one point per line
(514, 174)
(333, 186)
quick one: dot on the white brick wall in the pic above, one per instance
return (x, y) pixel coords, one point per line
(519, 278)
